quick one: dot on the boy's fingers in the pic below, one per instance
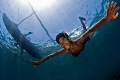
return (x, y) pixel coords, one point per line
(116, 16)
(111, 5)
(35, 65)
(108, 6)
(114, 5)
(116, 9)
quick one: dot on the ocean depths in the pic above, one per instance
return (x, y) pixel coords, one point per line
(100, 59)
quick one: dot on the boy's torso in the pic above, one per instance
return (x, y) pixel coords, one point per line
(75, 48)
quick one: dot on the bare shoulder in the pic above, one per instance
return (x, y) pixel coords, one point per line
(78, 41)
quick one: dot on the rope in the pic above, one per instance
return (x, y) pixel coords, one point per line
(14, 52)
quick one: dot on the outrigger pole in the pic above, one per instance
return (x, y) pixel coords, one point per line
(41, 22)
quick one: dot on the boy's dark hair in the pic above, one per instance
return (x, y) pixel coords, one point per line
(61, 35)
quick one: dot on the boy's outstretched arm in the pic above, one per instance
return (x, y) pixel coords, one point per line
(110, 15)
(36, 63)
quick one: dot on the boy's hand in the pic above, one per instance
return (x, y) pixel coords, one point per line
(110, 14)
(36, 63)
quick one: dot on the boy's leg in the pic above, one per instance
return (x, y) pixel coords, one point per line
(84, 29)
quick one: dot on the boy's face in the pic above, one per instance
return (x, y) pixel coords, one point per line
(64, 42)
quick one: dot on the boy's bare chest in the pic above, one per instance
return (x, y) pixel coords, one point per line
(76, 49)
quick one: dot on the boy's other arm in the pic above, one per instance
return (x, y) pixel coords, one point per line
(36, 63)
(110, 15)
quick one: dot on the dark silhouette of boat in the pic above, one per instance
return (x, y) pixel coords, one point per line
(21, 39)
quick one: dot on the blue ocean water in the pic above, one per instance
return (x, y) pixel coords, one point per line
(99, 60)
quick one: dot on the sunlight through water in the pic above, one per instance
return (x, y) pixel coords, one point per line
(39, 4)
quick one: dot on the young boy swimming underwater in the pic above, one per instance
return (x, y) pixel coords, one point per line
(75, 47)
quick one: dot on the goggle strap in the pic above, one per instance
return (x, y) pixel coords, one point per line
(64, 33)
